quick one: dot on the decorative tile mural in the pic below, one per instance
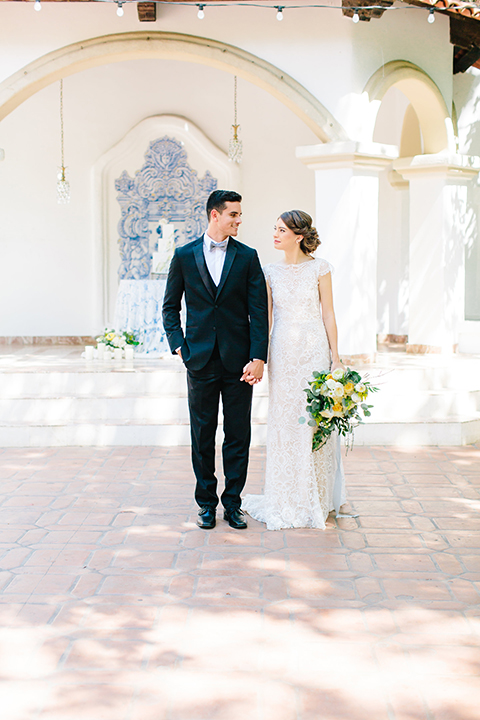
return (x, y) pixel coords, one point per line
(162, 207)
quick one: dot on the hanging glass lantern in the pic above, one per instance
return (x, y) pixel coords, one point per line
(63, 186)
(235, 146)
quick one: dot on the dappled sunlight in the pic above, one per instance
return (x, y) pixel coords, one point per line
(134, 613)
(214, 660)
(468, 504)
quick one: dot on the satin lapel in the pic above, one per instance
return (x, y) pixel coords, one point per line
(202, 266)
(229, 258)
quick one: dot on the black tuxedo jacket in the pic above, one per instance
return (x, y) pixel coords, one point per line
(234, 314)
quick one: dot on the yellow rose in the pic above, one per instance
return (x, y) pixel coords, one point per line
(349, 388)
(337, 407)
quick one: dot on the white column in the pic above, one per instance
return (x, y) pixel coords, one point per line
(439, 227)
(346, 184)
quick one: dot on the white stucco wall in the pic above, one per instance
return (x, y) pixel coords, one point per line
(48, 251)
(467, 104)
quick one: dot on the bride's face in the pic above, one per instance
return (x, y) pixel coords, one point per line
(284, 238)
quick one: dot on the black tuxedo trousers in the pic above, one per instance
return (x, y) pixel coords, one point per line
(226, 326)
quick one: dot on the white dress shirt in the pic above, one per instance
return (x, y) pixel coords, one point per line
(214, 257)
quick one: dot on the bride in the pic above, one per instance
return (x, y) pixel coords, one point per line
(301, 486)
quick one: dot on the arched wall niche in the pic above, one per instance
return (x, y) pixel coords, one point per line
(128, 155)
(129, 46)
(425, 98)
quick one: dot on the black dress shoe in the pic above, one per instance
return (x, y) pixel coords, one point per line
(206, 518)
(235, 518)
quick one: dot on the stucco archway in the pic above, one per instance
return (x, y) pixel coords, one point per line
(173, 46)
(425, 98)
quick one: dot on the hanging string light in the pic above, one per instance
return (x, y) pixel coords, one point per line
(235, 147)
(37, 6)
(63, 186)
(279, 10)
(200, 13)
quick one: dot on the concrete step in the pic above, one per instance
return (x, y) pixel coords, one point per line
(439, 433)
(169, 378)
(431, 401)
(122, 407)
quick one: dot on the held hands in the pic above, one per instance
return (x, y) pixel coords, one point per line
(253, 372)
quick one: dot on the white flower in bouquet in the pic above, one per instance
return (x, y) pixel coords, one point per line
(116, 341)
(356, 398)
(121, 341)
(331, 383)
(328, 413)
(338, 374)
(338, 390)
(360, 388)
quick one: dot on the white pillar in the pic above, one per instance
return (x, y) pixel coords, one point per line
(439, 219)
(346, 185)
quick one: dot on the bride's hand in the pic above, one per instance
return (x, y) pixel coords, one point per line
(337, 364)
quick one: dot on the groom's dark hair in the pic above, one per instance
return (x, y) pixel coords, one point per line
(219, 198)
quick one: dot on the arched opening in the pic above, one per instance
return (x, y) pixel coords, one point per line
(173, 46)
(407, 110)
(426, 102)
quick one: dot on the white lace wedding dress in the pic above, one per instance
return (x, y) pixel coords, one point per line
(301, 487)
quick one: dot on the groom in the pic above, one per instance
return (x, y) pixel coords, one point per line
(224, 348)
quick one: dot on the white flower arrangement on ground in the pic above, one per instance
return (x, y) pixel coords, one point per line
(334, 402)
(113, 339)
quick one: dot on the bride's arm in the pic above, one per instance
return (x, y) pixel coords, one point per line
(270, 308)
(328, 314)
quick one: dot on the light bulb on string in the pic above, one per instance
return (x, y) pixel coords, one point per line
(200, 14)
(356, 17)
(120, 10)
(38, 5)
(431, 16)
(279, 13)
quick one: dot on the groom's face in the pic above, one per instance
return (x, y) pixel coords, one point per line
(229, 220)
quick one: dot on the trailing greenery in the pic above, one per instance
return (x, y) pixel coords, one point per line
(334, 402)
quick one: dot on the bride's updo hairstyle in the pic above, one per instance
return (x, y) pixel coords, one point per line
(301, 224)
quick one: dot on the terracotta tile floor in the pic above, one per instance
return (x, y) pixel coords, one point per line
(115, 606)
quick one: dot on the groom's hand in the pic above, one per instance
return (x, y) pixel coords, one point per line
(253, 372)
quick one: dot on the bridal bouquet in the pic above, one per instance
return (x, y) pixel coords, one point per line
(110, 338)
(334, 402)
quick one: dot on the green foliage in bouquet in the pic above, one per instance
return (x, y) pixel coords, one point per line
(334, 402)
(112, 339)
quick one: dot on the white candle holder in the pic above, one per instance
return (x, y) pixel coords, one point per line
(117, 354)
(129, 352)
(101, 351)
(89, 352)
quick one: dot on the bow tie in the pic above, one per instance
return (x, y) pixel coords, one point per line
(221, 245)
